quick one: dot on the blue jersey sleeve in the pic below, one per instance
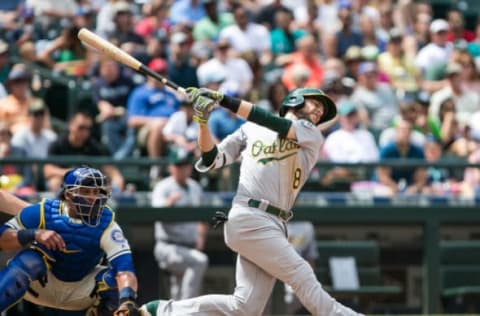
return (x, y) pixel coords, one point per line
(123, 263)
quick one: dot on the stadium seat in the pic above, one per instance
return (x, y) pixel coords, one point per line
(372, 288)
(460, 275)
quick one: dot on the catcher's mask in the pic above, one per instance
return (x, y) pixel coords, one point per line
(87, 191)
(296, 100)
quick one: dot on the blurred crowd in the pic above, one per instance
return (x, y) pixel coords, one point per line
(406, 81)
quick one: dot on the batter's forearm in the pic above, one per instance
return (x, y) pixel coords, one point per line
(205, 139)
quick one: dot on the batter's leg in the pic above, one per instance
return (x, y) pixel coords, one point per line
(249, 299)
(264, 243)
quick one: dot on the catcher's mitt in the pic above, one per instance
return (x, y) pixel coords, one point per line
(127, 308)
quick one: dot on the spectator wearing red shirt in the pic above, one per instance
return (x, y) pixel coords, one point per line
(457, 27)
(306, 56)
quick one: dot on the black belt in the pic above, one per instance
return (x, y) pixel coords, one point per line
(284, 215)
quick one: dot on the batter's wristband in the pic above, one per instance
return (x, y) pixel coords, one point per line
(230, 103)
(127, 294)
(26, 236)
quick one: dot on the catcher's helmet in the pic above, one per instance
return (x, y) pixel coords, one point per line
(88, 204)
(296, 100)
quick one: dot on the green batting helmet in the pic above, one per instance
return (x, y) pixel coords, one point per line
(296, 100)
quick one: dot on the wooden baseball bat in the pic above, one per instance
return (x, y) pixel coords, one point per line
(123, 57)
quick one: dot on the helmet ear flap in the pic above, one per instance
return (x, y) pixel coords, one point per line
(291, 101)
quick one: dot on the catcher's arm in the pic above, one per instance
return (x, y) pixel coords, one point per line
(10, 204)
(127, 289)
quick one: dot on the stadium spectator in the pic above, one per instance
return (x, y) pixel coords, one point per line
(105, 17)
(353, 58)
(268, 14)
(14, 178)
(35, 139)
(402, 180)
(186, 12)
(149, 107)
(447, 123)
(466, 102)
(306, 18)
(110, 93)
(433, 57)
(349, 143)
(154, 20)
(28, 53)
(123, 34)
(423, 126)
(376, 100)
(438, 178)
(276, 92)
(14, 107)
(181, 131)
(180, 69)
(78, 142)
(386, 21)
(179, 246)
(50, 13)
(399, 68)
(4, 62)
(66, 53)
(306, 55)
(235, 69)
(247, 37)
(337, 44)
(282, 37)
(474, 46)
(369, 33)
(209, 27)
(457, 30)
(470, 74)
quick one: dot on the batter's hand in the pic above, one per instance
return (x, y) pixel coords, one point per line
(202, 106)
(211, 94)
(50, 239)
(127, 308)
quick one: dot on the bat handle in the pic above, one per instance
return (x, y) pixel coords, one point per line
(162, 79)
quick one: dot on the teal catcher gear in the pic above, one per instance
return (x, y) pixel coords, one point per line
(296, 100)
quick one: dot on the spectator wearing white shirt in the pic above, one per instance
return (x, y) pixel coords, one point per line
(181, 130)
(246, 36)
(34, 139)
(350, 143)
(466, 102)
(234, 69)
(377, 103)
(432, 58)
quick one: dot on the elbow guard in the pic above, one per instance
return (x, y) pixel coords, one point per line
(221, 159)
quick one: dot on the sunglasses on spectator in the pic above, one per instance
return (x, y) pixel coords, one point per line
(84, 127)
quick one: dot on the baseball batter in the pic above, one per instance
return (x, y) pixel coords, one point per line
(277, 156)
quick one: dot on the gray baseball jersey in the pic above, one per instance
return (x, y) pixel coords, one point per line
(184, 233)
(272, 169)
(175, 242)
